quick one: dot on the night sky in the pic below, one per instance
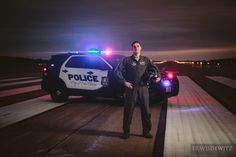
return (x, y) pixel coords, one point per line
(167, 29)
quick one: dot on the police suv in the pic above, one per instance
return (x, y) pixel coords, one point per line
(92, 75)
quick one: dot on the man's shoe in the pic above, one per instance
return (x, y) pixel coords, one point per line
(125, 136)
(147, 135)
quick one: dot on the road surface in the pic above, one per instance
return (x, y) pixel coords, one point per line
(36, 126)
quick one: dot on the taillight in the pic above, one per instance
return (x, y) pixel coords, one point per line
(170, 75)
(44, 69)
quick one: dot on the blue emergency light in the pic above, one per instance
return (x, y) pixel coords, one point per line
(95, 51)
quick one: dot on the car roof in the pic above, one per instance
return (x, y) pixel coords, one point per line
(112, 59)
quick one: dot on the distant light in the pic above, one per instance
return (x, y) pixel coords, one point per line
(166, 83)
(159, 62)
(52, 65)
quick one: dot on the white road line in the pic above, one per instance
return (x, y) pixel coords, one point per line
(21, 82)
(19, 90)
(224, 80)
(17, 112)
(194, 117)
(17, 79)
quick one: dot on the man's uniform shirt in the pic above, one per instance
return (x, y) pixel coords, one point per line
(134, 70)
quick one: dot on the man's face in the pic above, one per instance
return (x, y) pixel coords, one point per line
(136, 48)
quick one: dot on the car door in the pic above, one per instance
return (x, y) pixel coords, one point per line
(85, 72)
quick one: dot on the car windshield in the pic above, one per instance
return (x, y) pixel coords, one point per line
(87, 62)
(114, 60)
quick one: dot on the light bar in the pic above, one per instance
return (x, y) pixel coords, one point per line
(96, 51)
(107, 52)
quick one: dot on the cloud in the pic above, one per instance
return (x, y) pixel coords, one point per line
(159, 25)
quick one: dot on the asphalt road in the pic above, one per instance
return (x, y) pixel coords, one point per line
(79, 127)
(32, 125)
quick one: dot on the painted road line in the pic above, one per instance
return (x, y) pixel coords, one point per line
(17, 79)
(194, 117)
(224, 80)
(21, 82)
(19, 90)
(17, 112)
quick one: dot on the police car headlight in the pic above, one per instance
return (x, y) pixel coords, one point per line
(166, 83)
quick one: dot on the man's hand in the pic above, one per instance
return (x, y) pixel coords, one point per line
(157, 79)
(128, 85)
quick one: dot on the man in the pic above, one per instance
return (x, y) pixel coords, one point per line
(132, 73)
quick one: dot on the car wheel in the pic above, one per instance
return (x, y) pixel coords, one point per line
(176, 88)
(59, 95)
(164, 100)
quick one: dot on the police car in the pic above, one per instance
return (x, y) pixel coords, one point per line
(91, 75)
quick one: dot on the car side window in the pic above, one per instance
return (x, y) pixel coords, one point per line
(87, 62)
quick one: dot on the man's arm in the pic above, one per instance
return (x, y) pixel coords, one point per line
(119, 71)
(153, 68)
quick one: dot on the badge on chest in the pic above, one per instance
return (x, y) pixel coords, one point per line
(142, 63)
(133, 64)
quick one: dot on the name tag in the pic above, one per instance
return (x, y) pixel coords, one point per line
(142, 63)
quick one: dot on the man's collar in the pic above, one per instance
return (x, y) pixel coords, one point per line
(140, 57)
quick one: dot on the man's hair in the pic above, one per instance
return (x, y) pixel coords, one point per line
(136, 41)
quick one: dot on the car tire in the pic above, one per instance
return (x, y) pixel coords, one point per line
(164, 100)
(59, 95)
(176, 88)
